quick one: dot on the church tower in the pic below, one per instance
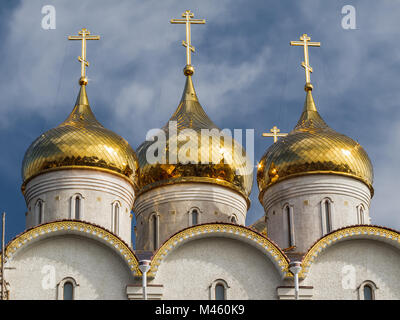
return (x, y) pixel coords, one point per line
(200, 175)
(314, 180)
(80, 170)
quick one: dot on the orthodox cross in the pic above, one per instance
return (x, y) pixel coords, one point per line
(84, 35)
(275, 133)
(305, 42)
(188, 15)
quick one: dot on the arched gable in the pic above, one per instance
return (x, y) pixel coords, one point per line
(75, 227)
(271, 250)
(370, 232)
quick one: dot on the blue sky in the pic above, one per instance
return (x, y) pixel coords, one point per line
(247, 76)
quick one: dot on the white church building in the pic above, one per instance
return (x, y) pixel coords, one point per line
(83, 183)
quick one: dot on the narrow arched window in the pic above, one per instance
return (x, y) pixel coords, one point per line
(328, 216)
(77, 208)
(154, 225)
(361, 215)
(368, 292)
(233, 219)
(116, 218)
(153, 233)
(39, 211)
(195, 217)
(289, 226)
(219, 292)
(68, 291)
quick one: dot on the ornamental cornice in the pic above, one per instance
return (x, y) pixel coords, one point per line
(279, 259)
(74, 227)
(347, 233)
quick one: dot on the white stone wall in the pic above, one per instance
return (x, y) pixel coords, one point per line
(372, 260)
(99, 190)
(189, 270)
(305, 194)
(172, 205)
(99, 272)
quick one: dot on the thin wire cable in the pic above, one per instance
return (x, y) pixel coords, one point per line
(326, 72)
(283, 109)
(66, 50)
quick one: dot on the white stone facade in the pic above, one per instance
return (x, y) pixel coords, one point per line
(305, 197)
(99, 194)
(193, 262)
(198, 264)
(339, 272)
(172, 205)
(38, 270)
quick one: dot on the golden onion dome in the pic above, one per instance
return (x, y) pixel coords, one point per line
(312, 147)
(212, 160)
(80, 142)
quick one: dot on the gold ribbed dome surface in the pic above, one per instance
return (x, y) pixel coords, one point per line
(215, 163)
(80, 142)
(312, 147)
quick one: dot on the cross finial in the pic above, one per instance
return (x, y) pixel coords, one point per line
(305, 42)
(275, 133)
(84, 35)
(188, 15)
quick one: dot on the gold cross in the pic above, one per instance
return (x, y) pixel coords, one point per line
(275, 133)
(84, 35)
(188, 15)
(305, 42)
